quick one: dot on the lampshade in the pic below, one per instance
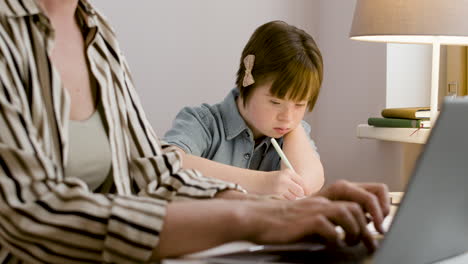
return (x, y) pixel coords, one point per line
(411, 21)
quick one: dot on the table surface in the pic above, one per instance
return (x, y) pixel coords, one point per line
(197, 258)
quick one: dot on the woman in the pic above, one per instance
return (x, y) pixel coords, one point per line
(59, 64)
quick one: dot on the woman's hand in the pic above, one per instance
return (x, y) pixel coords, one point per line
(270, 221)
(286, 222)
(372, 197)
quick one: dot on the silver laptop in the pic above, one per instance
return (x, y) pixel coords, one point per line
(431, 223)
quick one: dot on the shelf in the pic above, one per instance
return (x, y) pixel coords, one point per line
(407, 135)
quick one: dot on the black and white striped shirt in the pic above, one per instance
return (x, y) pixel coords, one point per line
(46, 217)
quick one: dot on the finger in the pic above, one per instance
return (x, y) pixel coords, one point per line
(296, 189)
(325, 229)
(366, 199)
(340, 213)
(289, 196)
(319, 199)
(297, 179)
(365, 236)
(368, 239)
(381, 191)
(371, 205)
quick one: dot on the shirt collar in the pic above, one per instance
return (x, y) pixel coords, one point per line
(233, 122)
(266, 141)
(21, 8)
(88, 13)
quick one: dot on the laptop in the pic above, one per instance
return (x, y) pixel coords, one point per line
(431, 223)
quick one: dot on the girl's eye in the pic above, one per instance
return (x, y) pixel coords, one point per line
(274, 102)
(300, 105)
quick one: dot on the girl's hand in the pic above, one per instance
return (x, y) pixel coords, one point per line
(283, 183)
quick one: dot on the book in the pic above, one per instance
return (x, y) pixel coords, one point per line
(398, 122)
(407, 112)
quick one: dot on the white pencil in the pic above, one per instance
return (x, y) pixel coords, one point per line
(281, 154)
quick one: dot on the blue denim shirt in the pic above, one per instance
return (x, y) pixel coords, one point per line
(219, 133)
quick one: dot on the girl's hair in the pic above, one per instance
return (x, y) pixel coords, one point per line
(286, 56)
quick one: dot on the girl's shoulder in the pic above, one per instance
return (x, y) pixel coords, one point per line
(202, 111)
(207, 114)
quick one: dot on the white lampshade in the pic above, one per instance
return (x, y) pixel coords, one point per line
(411, 21)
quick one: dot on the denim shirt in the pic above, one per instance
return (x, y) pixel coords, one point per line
(219, 133)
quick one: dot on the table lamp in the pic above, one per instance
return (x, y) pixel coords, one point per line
(432, 22)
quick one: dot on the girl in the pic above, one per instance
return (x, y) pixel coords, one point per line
(279, 78)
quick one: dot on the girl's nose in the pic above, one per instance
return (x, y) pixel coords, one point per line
(285, 114)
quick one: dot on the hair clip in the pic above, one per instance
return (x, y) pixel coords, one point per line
(248, 63)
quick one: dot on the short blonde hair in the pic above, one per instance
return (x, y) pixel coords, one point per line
(286, 56)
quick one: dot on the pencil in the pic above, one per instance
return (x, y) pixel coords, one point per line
(281, 154)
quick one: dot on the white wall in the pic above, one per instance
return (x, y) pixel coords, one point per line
(187, 52)
(353, 89)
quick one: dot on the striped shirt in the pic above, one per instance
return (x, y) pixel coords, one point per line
(46, 217)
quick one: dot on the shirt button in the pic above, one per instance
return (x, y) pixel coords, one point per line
(247, 156)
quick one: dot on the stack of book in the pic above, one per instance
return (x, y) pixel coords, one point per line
(409, 117)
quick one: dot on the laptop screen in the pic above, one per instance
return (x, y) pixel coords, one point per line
(432, 220)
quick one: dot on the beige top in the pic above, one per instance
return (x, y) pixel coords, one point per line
(89, 156)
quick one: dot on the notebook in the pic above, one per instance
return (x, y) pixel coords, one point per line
(431, 223)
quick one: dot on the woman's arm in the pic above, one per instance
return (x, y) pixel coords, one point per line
(45, 218)
(283, 183)
(297, 148)
(198, 225)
